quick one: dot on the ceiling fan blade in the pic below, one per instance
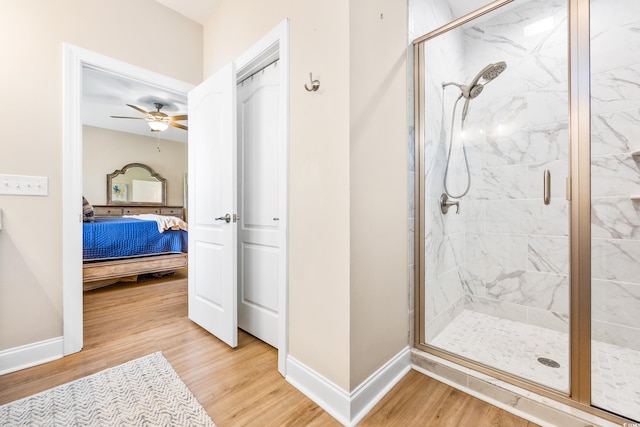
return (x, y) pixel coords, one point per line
(124, 117)
(178, 125)
(137, 108)
(182, 117)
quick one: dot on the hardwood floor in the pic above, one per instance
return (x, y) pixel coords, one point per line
(237, 387)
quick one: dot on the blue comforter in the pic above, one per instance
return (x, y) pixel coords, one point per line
(128, 237)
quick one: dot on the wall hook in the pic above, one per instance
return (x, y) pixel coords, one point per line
(315, 84)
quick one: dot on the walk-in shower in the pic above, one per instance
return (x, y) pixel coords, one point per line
(536, 279)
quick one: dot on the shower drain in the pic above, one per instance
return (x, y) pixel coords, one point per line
(548, 362)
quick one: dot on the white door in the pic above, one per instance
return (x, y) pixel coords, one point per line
(212, 205)
(258, 198)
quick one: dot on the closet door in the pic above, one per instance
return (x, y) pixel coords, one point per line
(212, 205)
(259, 226)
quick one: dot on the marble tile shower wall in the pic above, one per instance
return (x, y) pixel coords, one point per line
(516, 248)
(424, 16)
(615, 108)
(444, 235)
(506, 253)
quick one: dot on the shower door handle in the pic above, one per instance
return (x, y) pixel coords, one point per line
(547, 186)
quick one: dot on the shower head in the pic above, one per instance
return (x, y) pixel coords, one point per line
(473, 89)
(487, 74)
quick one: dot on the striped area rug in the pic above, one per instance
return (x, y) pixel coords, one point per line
(142, 392)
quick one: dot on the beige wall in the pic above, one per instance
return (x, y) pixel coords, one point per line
(339, 206)
(31, 75)
(379, 165)
(104, 151)
(319, 165)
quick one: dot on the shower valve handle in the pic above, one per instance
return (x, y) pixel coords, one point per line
(445, 204)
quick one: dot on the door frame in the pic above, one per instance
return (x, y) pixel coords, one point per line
(74, 60)
(276, 42)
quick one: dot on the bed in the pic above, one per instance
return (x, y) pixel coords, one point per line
(117, 248)
(120, 248)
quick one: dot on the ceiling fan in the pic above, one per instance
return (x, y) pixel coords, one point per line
(157, 120)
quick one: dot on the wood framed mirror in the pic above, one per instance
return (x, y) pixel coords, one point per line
(136, 184)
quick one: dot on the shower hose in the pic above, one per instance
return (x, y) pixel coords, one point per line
(464, 151)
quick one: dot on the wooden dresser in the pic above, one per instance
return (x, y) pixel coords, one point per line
(120, 210)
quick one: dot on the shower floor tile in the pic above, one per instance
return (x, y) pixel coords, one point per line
(515, 347)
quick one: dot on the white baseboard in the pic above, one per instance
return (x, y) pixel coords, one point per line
(323, 392)
(26, 356)
(374, 388)
(348, 408)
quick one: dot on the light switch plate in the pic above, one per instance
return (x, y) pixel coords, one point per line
(22, 185)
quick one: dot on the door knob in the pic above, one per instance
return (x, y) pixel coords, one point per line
(226, 218)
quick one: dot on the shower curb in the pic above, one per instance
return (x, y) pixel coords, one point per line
(523, 403)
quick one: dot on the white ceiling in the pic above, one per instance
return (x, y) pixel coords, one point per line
(196, 10)
(105, 95)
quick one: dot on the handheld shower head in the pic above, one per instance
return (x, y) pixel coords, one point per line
(489, 73)
(475, 91)
(475, 88)
(494, 70)
(471, 92)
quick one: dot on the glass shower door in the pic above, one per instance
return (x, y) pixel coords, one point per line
(494, 137)
(615, 206)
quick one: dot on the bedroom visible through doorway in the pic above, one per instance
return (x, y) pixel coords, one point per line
(122, 78)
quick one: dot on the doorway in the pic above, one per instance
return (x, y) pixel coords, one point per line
(74, 60)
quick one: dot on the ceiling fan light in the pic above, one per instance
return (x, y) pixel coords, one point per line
(157, 126)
